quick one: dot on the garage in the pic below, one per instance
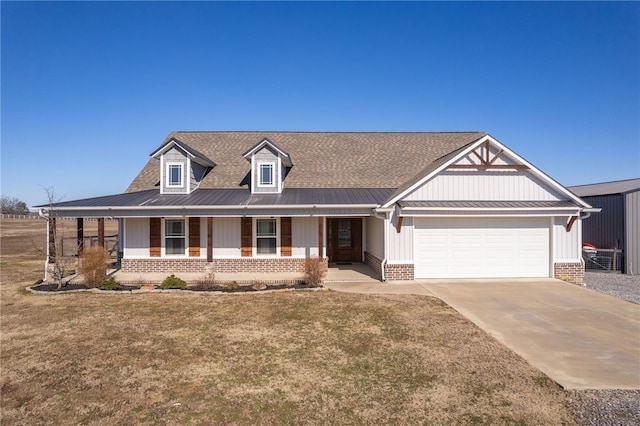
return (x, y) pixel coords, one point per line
(481, 247)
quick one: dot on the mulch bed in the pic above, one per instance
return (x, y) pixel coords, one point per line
(202, 288)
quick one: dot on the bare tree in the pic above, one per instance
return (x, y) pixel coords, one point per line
(57, 264)
(12, 205)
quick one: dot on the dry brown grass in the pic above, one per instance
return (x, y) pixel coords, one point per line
(284, 358)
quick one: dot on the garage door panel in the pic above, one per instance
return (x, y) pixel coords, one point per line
(481, 248)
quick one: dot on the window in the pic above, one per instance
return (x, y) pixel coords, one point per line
(174, 174)
(174, 236)
(266, 236)
(266, 175)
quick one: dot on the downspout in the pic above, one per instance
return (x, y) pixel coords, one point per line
(386, 241)
(45, 216)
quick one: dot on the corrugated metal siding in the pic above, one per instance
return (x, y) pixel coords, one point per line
(605, 229)
(401, 244)
(566, 244)
(136, 238)
(486, 185)
(632, 210)
(304, 236)
(374, 236)
(226, 237)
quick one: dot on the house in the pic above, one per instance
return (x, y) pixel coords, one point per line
(617, 226)
(409, 205)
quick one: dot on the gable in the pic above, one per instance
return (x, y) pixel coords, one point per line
(484, 171)
(484, 185)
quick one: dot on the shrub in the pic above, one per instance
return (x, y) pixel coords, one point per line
(173, 282)
(314, 270)
(110, 284)
(209, 281)
(230, 286)
(93, 265)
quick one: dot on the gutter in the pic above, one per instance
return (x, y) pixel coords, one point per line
(587, 212)
(376, 214)
(214, 207)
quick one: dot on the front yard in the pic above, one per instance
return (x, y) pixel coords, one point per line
(282, 358)
(319, 357)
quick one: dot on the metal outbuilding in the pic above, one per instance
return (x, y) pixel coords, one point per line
(617, 226)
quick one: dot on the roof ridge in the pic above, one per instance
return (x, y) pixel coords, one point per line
(602, 183)
(326, 131)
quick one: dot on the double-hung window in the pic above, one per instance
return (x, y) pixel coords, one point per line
(174, 236)
(266, 174)
(266, 237)
(174, 174)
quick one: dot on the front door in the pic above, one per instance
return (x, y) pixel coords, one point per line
(344, 239)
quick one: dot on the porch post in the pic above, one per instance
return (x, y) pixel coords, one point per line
(101, 232)
(321, 236)
(209, 239)
(80, 234)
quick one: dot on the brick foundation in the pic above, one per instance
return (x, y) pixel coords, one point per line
(398, 272)
(570, 272)
(169, 266)
(238, 265)
(374, 263)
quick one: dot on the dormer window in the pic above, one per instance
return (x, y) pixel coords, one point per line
(182, 168)
(269, 167)
(266, 174)
(174, 175)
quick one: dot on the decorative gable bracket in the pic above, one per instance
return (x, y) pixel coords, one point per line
(487, 159)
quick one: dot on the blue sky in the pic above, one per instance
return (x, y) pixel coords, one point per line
(90, 89)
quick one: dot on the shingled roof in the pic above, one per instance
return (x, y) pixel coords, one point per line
(322, 159)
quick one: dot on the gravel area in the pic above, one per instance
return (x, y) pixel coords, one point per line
(606, 407)
(609, 407)
(622, 286)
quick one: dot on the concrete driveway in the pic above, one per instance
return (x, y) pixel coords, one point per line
(579, 338)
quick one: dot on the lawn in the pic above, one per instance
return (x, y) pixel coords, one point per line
(281, 358)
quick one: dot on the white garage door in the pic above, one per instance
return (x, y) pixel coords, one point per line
(481, 248)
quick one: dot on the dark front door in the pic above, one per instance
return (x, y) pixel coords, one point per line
(344, 239)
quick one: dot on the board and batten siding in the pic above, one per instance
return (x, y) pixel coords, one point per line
(304, 236)
(488, 185)
(400, 244)
(226, 237)
(567, 245)
(136, 237)
(632, 222)
(174, 155)
(374, 236)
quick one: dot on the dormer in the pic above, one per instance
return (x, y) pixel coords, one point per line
(182, 168)
(269, 166)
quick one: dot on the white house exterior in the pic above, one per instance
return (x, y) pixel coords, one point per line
(410, 205)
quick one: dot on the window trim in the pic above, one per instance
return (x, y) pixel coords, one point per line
(184, 237)
(276, 236)
(271, 165)
(168, 167)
